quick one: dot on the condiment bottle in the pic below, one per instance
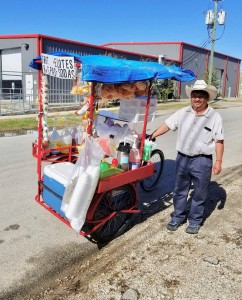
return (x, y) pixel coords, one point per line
(123, 155)
(134, 157)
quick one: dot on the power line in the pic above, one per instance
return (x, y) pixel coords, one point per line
(200, 46)
(195, 55)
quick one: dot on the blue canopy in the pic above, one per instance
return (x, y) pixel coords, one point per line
(105, 69)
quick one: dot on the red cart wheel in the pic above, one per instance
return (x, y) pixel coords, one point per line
(116, 200)
(149, 183)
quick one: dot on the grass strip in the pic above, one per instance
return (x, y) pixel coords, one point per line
(30, 123)
(27, 123)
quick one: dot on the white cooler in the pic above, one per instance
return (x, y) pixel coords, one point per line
(56, 177)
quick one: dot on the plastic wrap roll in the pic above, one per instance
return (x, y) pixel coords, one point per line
(79, 196)
(82, 197)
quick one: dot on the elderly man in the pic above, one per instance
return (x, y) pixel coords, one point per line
(200, 134)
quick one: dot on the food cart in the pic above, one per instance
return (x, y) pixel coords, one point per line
(114, 197)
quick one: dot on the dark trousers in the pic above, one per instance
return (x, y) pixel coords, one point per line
(191, 173)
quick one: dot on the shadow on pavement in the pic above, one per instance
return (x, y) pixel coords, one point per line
(216, 199)
(160, 198)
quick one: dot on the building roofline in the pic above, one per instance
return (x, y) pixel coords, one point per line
(37, 35)
(165, 43)
(105, 46)
(220, 53)
(19, 36)
(140, 43)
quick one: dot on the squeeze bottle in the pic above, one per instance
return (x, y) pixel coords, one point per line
(134, 157)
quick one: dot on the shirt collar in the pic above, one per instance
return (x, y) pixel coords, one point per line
(206, 113)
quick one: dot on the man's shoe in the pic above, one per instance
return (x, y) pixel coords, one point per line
(172, 226)
(193, 229)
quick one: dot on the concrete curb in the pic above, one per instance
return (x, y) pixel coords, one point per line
(224, 103)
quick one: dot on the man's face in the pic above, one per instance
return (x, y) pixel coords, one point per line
(199, 99)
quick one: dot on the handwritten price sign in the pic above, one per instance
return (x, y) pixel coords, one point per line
(60, 67)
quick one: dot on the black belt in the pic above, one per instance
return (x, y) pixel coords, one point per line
(198, 155)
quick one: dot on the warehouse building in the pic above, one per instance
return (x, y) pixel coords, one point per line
(187, 56)
(20, 83)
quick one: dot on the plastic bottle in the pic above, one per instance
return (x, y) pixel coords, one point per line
(79, 139)
(55, 140)
(66, 138)
(147, 150)
(74, 135)
(80, 135)
(112, 145)
(123, 155)
(134, 157)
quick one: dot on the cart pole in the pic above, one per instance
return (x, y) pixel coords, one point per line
(90, 115)
(145, 119)
(40, 134)
(39, 144)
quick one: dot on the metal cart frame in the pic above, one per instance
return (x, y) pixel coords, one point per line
(116, 197)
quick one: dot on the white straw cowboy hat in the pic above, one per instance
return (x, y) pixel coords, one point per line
(200, 85)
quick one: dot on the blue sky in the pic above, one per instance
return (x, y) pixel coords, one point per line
(102, 21)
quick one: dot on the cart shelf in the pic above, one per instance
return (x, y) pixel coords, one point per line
(125, 178)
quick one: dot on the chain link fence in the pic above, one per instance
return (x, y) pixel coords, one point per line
(17, 101)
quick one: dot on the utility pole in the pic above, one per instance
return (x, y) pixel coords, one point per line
(211, 21)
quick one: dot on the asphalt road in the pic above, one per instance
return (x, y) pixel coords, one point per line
(33, 243)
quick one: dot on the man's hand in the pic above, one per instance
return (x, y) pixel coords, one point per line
(217, 167)
(149, 137)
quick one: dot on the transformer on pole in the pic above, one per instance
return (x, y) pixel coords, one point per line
(212, 17)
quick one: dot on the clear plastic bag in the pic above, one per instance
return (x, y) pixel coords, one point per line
(82, 184)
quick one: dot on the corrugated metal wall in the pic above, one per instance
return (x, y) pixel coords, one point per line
(170, 51)
(59, 89)
(231, 79)
(193, 58)
(219, 62)
(50, 45)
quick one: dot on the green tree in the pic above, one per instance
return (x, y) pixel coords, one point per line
(214, 79)
(162, 89)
